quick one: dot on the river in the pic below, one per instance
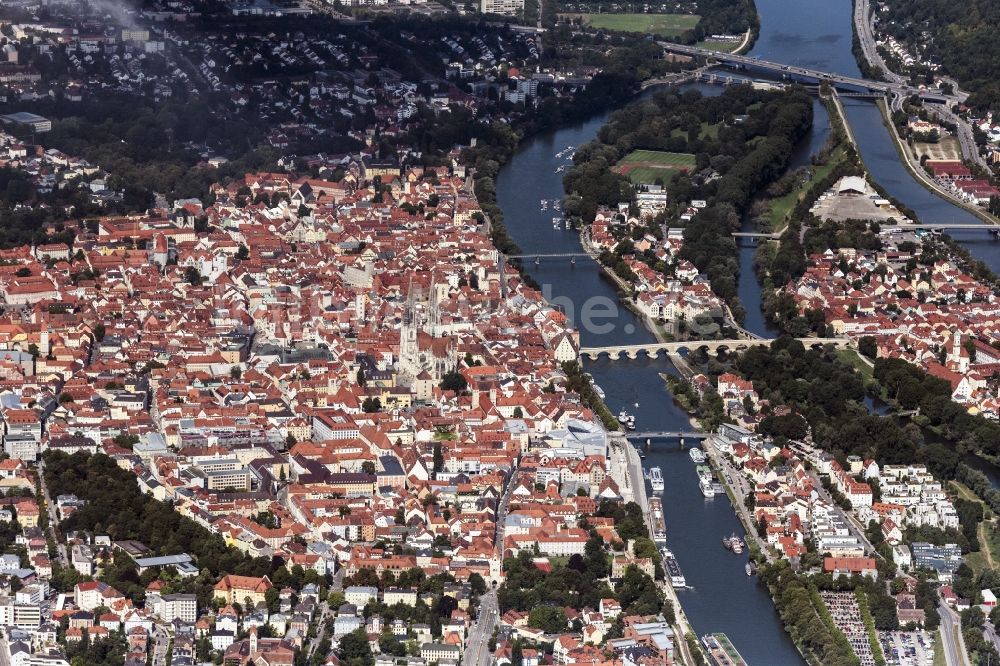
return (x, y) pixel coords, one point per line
(814, 33)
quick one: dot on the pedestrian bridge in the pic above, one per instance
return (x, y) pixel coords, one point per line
(652, 349)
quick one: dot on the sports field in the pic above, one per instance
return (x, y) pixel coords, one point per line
(645, 166)
(665, 25)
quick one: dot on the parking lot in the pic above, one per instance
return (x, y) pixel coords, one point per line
(843, 606)
(907, 648)
(854, 206)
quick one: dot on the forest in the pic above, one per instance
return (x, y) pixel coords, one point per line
(754, 134)
(961, 36)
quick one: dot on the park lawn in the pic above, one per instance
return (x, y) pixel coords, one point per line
(646, 175)
(851, 357)
(781, 208)
(659, 158)
(646, 166)
(665, 25)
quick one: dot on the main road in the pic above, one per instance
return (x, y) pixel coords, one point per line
(477, 651)
(476, 647)
(951, 637)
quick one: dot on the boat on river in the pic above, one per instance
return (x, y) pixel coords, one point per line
(659, 523)
(707, 488)
(697, 455)
(656, 479)
(673, 569)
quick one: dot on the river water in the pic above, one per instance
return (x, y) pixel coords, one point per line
(813, 33)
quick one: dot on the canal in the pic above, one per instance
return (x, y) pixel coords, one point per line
(814, 33)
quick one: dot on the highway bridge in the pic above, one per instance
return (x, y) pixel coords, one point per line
(923, 226)
(806, 75)
(652, 349)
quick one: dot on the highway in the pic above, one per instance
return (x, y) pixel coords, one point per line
(863, 23)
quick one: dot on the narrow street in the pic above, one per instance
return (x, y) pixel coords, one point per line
(53, 527)
(161, 643)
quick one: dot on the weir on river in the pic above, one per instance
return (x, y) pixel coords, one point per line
(807, 33)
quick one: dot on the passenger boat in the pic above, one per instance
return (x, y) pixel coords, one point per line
(656, 479)
(673, 569)
(697, 455)
(659, 524)
(706, 488)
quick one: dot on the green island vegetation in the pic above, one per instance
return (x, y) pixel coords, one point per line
(806, 617)
(748, 147)
(579, 383)
(583, 580)
(115, 506)
(959, 36)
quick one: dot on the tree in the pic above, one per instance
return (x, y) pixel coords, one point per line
(371, 405)
(550, 619)
(867, 347)
(354, 649)
(438, 457)
(454, 381)
(243, 253)
(272, 598)
(192, 276)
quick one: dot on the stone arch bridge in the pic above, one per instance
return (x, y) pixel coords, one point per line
(652, 349)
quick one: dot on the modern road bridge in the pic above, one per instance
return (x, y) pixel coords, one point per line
(807, 75)
(928, 226)
(660, 434)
